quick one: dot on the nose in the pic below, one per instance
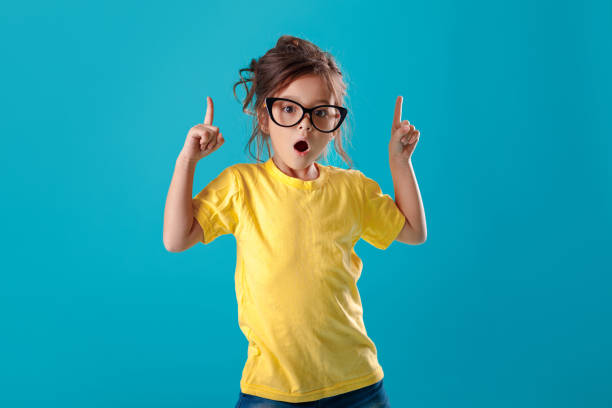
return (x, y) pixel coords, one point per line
(305, 120)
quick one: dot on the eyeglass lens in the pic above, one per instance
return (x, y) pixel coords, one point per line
(288, 114)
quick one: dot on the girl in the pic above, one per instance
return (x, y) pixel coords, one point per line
(296, 223)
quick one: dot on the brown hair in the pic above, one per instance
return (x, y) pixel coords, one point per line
(291, 58)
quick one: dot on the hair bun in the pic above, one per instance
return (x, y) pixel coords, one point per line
(288, 43)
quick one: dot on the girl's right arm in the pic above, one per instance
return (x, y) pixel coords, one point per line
(181, 229)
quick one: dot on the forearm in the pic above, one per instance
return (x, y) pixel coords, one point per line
(178, 213)
(407, 195)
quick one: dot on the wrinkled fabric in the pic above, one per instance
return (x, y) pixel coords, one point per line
(296, 274)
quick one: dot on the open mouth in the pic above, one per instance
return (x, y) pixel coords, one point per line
(301, 146)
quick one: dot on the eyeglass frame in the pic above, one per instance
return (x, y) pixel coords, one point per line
(343, 112)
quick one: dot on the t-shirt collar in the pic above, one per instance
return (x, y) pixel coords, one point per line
(271, 168)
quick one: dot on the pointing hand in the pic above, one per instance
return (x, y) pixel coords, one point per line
(203, 138)
(404, 136)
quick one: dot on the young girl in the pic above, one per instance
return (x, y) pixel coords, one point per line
(296, 223)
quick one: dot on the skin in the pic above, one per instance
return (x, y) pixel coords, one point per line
(205, 138)
(404, 138)
(308, 90)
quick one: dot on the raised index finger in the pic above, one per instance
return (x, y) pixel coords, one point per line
(209, 111)
(397, 117)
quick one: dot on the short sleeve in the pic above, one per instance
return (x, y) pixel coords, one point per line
(216, 206)
(382, 219)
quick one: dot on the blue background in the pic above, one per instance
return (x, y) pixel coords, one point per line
(507, 304)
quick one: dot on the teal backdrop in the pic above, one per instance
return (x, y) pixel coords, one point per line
(507, 304)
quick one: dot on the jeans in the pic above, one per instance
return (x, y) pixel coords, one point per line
(372, 396)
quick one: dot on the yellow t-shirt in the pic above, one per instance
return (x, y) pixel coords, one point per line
(296, 274)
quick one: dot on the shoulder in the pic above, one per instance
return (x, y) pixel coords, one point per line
(247, 174)
(348, 181)
(338, 172)
(360, 183)
(246, 170)
(242, 166)
(350, 177)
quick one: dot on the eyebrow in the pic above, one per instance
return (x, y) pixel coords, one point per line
(295, 99)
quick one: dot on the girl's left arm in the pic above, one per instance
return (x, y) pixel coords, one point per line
(404, 138)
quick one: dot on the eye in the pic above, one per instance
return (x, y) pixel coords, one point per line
(287, 109)
(321, 113)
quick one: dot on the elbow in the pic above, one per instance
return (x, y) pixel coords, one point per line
(423, 237)
(172, 246)
(415, 242)
(411, 236)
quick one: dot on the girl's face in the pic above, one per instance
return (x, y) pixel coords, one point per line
(309, 91)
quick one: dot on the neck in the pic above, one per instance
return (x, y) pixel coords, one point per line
(309, 173)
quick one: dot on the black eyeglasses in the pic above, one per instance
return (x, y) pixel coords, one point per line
(325, 118)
